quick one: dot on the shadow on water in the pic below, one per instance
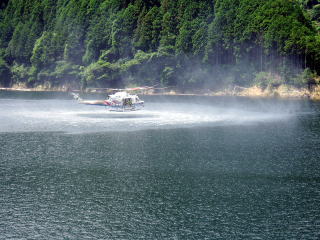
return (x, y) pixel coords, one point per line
(116, 115)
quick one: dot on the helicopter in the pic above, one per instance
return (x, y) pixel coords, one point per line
(120, 101)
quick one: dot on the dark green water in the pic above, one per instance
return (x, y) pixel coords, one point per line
(229, 169)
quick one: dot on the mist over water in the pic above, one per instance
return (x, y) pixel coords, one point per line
(68, 116)
(182, 168)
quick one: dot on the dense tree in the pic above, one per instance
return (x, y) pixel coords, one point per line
(5, 75)
(184, 43)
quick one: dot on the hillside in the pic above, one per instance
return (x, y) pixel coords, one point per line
(182, 43)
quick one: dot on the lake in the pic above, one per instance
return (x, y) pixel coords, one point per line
(185, 167)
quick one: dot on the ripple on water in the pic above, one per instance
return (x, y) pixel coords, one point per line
(256, 176)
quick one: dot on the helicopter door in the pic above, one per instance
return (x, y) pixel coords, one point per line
(127, 102)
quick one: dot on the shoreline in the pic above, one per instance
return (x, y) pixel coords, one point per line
(282, 91)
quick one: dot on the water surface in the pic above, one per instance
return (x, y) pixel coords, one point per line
(183, 168)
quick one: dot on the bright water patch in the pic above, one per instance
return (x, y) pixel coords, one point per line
(68, 116)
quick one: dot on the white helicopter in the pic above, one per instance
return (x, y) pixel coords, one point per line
(120, 101)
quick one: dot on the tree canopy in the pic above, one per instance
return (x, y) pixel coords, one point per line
(183, 43)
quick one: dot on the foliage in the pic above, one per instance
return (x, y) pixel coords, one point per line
(20, 73)
(266, 79)
(184, 43)
(315, 15)
(305, 78)
(5, 75)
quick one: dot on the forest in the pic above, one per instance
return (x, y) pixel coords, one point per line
(185, 44)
